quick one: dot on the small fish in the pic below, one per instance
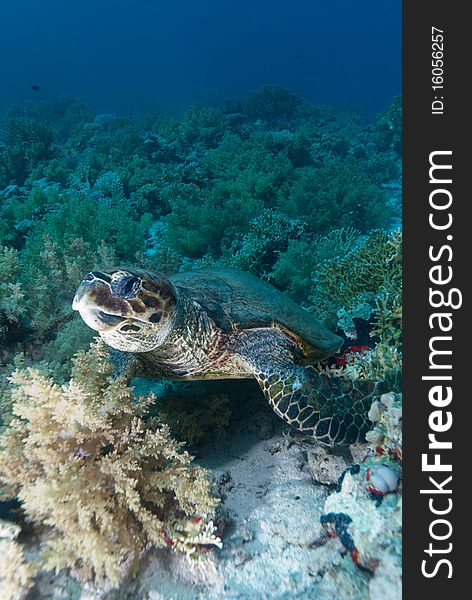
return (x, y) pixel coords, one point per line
(35, 88)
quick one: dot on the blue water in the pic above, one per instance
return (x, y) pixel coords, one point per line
(128, 56)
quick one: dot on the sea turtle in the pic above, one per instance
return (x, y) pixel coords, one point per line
(219, 323)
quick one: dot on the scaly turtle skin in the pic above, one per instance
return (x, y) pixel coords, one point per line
(222, 323)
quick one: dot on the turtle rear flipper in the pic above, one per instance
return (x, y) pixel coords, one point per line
(333, 410)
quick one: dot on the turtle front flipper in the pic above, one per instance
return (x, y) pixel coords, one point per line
(333, 410)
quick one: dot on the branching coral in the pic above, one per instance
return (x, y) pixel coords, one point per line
(106, 483)
(203, 127)
(339, 194)
(16, 575)
(65, 116)
(371, 275)
(293, 269)
(26, 143)
(372, 269)
(72, 337)
(388, 127)
(80, 234)
(109, 184)
(252, 168)
(51, 272)
(269, 235)
(199, 223)
(384, 362)
(12, 305)
(271, 103)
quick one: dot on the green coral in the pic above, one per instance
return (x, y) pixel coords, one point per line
(109, 184)
(23, 206)
(12, 305)
(294, 267)
(371, 274)
(269, 235)
(370, 270)
(202, 127)
(388, 127)
(71, 338)
(65, 116)
(272, 103)
(26, 143)
(338, 194)
(200, 223)
(384, 362)
(82, 233)
(4, 230)
(105, 482)
(251, 169)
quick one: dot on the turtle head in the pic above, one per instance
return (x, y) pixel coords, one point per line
(132, 310)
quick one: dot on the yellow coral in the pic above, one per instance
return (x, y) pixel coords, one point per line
(16, 575)
(106, 482)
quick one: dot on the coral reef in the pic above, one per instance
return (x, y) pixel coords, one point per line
(260, 184)
(384, 361)
(26, 143)
(272, 103)
(294, 268)
(269, 236)
(365, 511)
(370, 530)
(81, 233)
(16, 575)
(368, 278)
(388, 127)
(12, 299)
(338, 193)
(72, 337)
(301, 195)
(372, 269)
(104, 482)
(386, 435)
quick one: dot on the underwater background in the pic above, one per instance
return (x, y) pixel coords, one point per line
(262, 136)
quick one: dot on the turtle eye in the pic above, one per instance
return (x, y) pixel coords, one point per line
(125, 287)
(129, 286)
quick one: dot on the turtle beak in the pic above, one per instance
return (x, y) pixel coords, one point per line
(98, 320)
(89, 283)
(84, 303)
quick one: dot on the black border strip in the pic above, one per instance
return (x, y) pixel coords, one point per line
(424, 133)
